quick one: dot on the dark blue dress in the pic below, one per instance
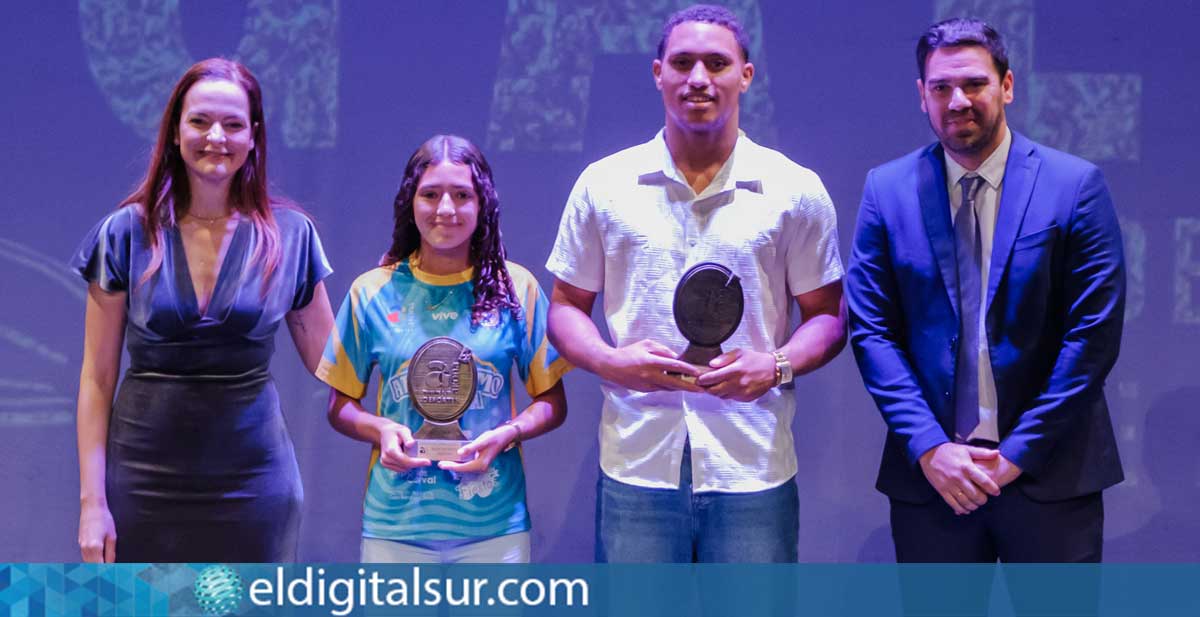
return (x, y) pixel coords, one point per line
(200, 464)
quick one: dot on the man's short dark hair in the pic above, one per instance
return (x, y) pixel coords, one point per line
(709, 14)
(962, 32)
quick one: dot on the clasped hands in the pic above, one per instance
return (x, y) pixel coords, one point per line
(965, 475)
(649, 366)
(396, 441)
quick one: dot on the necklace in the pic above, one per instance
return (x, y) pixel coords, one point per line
(206, 220)
(449, 294)
(414, 262)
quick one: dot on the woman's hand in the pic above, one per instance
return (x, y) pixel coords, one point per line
(394, 440)
(97, 535)
(485, 448)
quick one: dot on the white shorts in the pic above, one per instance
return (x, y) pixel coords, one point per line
(510, 548)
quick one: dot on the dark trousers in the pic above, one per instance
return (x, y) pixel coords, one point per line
(1011, 528)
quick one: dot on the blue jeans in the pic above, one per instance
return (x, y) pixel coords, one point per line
(654, 525)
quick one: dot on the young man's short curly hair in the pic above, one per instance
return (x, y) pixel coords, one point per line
(709, 14)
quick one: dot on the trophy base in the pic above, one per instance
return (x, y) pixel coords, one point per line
(439, 450)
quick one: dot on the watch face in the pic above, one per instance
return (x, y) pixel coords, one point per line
(708, 304)
(441, 379)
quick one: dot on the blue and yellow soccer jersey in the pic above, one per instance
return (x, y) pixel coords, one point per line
(389, 313)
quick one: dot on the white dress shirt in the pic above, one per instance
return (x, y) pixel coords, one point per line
(630, 229)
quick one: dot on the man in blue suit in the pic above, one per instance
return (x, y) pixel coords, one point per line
(987, 293)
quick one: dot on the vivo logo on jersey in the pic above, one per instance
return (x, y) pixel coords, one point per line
(444, 315)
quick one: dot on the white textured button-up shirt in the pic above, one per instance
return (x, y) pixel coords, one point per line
(630, 229)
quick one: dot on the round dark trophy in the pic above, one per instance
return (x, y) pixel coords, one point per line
(708, 308)
(441, 383)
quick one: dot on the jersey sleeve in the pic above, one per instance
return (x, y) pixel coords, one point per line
(538, 362)
(348, 358)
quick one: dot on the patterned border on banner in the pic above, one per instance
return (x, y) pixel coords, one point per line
(744, 590)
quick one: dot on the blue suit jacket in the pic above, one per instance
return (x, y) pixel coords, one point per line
(1054, 310)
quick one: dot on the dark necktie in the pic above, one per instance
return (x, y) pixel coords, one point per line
(969, 256)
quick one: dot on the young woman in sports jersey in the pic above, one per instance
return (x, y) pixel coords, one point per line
(445, 275)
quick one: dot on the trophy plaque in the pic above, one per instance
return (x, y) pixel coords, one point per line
(708, 308)
(441, 382)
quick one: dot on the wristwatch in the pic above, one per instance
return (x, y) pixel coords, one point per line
(783, 369)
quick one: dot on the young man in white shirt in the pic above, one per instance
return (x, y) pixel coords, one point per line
(698, 469)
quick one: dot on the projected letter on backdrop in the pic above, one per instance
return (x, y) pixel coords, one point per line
(136, 51)
(540, 101)
(1187, 270)
(1092, 115)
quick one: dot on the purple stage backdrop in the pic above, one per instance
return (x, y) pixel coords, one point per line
(546, 87)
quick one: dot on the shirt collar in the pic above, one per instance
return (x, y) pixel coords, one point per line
(991, 170)
(738, 172)
(429, 278)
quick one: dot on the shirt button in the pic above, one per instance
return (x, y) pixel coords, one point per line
(691, 243)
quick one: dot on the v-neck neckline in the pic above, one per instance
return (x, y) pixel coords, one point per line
(188, 285)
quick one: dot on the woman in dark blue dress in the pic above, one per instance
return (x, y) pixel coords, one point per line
(192, 461)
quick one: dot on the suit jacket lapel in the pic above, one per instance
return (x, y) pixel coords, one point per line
(1020, 171)
(935, 210)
